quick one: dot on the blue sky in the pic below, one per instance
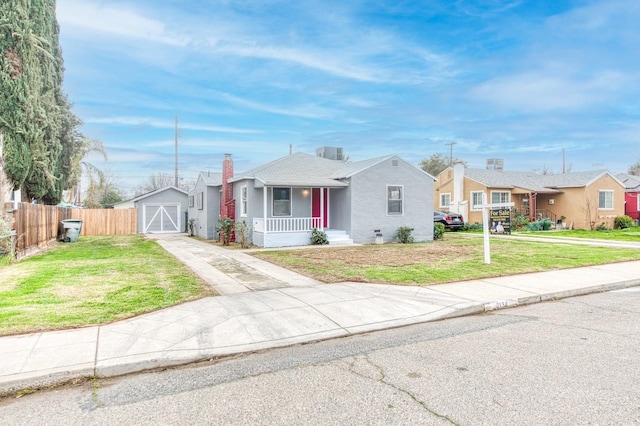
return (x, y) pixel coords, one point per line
(518, 80)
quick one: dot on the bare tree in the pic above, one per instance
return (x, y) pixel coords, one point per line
(635, 169)
(590, 210)
(160, 181)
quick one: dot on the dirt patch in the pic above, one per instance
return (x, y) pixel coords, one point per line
(396, 255)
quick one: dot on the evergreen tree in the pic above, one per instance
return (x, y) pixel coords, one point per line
(39, 130)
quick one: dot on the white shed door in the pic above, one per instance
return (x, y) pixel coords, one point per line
(158, 218)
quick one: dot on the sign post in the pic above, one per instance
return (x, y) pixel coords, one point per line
(485, 224)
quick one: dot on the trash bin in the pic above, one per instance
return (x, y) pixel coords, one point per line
(71, 230)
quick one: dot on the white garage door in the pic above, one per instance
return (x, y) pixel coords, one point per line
(158, 218)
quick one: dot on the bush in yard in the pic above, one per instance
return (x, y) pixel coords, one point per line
(438, 231)
(623, 222)
(602, 227)
(519, 220)
(318, 237)
(243, 234)
(225, 228)
(540, 225)
(403, 234)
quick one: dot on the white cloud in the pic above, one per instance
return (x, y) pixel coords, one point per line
(116, 20)
(164, 124)
(548, 90)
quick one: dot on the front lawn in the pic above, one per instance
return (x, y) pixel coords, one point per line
(455, 258)
(96, 280)
(628, 234)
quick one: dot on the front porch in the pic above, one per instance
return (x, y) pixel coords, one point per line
(292, 231)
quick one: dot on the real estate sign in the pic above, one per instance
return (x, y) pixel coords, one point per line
(500, 220)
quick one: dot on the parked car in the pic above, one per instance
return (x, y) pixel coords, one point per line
(452, 221)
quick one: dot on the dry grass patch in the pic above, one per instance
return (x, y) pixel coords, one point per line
(455, 258)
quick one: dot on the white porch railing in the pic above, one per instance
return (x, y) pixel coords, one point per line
(286, 224)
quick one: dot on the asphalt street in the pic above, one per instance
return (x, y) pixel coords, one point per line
(571, 361)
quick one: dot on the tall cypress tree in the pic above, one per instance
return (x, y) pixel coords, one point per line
(38, 126)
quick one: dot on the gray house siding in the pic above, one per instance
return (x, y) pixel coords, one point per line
(340, 209)
(207, 216)
(369, 202)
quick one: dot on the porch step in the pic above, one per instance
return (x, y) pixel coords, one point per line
(338, 237)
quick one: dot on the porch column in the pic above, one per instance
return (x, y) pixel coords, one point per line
(322, 209)
(264, 207)
(532, 206)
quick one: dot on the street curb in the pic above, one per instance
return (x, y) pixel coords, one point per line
(60, 378)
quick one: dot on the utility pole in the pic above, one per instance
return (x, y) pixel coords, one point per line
(451, 144)
(176, 179)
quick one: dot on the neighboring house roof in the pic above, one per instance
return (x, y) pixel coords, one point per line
(630, 182)
(532, 181)
(212, 178)
(297, 169)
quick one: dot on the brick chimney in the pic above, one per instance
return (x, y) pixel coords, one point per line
(227, 204)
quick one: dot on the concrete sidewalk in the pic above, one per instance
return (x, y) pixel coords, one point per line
(289, 309)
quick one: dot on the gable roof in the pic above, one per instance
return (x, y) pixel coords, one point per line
(532, 181)
(157, 191)
(211, 178)
(297, 169)
(630, 182)
(305, 170)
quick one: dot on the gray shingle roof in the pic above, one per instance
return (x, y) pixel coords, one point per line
(533, 181)
(630, 182)
(297, 169)
(212, 178)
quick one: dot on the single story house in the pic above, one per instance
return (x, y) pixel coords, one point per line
(204, 204)
(632, 189)
(283, 200)
(160, 211)
(581, 199)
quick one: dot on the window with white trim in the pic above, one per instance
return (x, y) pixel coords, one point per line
(605, 200)
(395, 199)
(200, 200)
(500, 197)
(638, 198)
(282, 201)
(191, 202)
(244, 200)
(476, 199)
(445, 199)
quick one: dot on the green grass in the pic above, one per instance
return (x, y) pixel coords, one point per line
(456, 258)
(96, 280)
(628, 234)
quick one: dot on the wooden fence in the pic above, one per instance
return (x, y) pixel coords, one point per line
(37, 225)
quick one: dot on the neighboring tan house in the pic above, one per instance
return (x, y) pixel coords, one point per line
(580, 199)
(285, 199)
(160, 211)
(632, 189)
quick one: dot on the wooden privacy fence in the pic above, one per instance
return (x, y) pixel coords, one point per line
(36, 225)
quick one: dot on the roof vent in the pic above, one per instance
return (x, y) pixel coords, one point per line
(330, 152)
(495, 164)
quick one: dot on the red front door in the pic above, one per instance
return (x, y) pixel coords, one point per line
(315, 205)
